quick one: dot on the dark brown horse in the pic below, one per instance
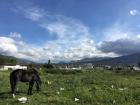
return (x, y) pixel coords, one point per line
(31, 76)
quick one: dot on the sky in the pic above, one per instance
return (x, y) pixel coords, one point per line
(66, 30)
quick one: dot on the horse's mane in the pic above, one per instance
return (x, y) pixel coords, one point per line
(32, 70)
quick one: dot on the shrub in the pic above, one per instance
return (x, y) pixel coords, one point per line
(59, 71)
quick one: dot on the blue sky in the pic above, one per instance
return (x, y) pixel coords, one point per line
(65, 30)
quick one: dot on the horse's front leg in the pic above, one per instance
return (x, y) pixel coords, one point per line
(30, 87)
(13, 88)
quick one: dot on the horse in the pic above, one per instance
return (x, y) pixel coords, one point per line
(30, 76)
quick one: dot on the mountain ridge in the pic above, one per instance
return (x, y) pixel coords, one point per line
(126, 59)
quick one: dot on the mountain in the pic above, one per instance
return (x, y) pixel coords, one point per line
(127, 59)
(10, 60)
(89, 60)
(24, 61)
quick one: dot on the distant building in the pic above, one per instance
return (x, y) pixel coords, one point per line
(136, 68)
(108, 67)
(76, 68)
(6, 67)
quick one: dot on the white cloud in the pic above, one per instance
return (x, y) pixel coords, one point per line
(59, 25)
(15, 35)
(33, 13)
(134, 12)
(138, 36)
(55, 51)
(84, 49)
(67, 28)
(7, 46)
(115, 32)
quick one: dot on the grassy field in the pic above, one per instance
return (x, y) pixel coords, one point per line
(85, 87)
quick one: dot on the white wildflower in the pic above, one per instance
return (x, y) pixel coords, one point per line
(22, 99)
(62, 89)
(112, 86)
(114, 101)
(121, 89)
(76, 99)
(58, 92)
(49, 82)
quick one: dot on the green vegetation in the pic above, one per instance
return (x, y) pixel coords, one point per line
(7, 60)
(96, 87)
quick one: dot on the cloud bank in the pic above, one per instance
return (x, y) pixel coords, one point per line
(56, 51)
(121, 46)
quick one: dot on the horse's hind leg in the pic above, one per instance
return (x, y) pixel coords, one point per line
(37, 85)
(30, 87)
(38, 82)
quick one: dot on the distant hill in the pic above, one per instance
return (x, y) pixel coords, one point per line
(10, 60)
(24, 61)
(127, 59)
(89, 60)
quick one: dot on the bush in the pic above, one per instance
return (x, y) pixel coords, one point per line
(59, 71)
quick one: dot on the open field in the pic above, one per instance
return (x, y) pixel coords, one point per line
(96, 87)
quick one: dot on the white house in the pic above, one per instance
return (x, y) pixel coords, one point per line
(6, 67)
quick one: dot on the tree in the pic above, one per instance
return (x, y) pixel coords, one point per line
(7, 60)
(32, 65)
(2, 61)
(13, 61)
(48, 65)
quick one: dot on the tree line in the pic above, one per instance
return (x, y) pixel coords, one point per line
(7, 60)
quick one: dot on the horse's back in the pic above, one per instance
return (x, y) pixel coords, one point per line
(24, 75)
(16, 72)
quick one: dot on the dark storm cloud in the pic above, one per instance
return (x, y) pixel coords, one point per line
(122, 46)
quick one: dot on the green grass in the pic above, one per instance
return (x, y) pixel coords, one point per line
(96, 87)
